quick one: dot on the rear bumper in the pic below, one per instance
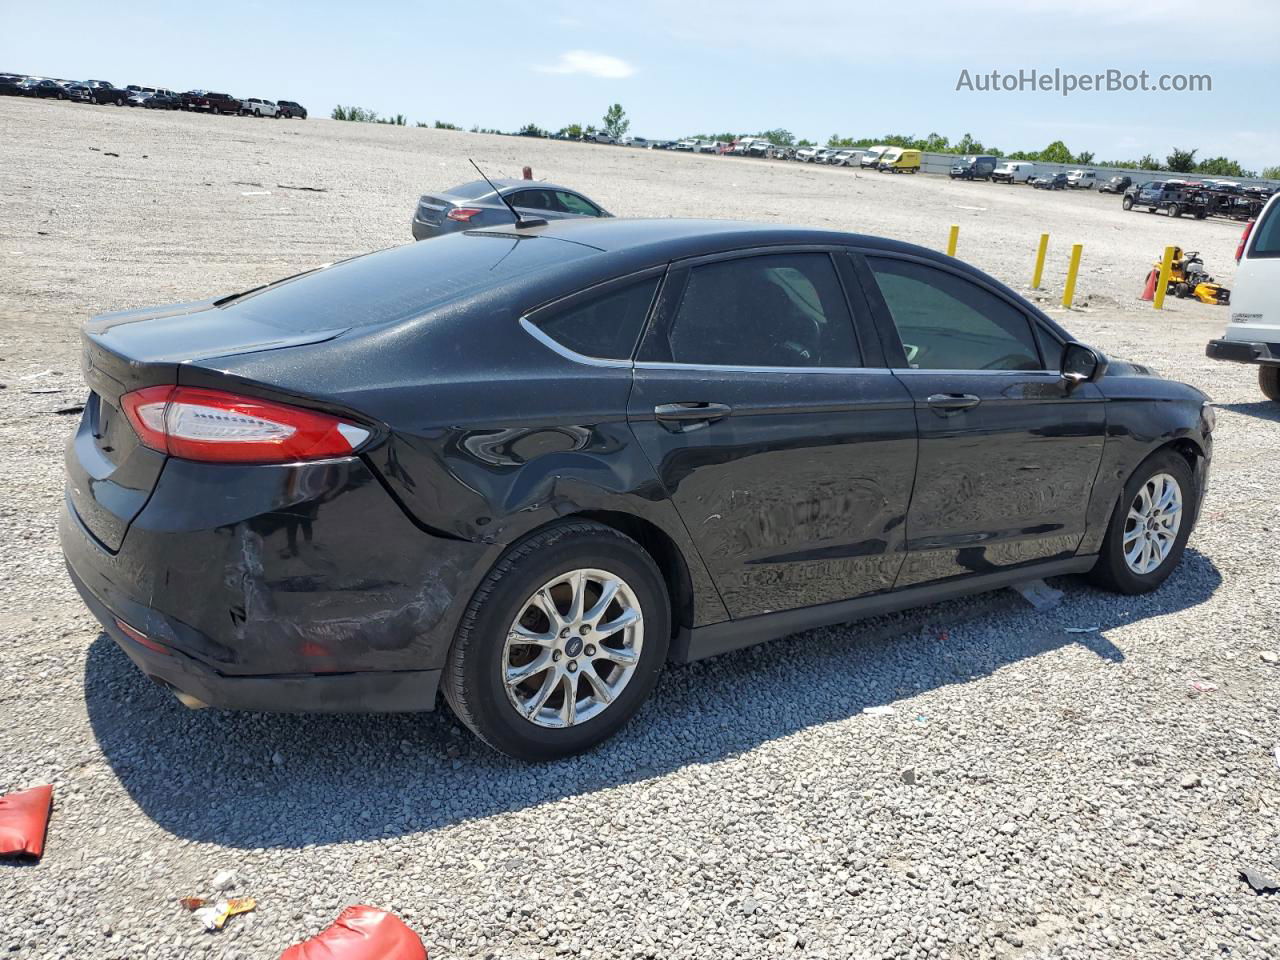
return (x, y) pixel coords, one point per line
(365, 692)
(424, 231)
(1243, 351)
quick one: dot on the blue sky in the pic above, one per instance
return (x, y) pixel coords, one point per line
(816, 67)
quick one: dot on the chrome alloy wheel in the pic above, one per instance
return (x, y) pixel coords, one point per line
(1152, 525)
(572, 648)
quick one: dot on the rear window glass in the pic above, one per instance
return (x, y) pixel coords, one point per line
(402, 282)
(606, 326)
(471, 191)
(1266, 235)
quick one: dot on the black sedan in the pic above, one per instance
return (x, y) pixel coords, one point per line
(44, 89)
(1055, 181)
(532, 465)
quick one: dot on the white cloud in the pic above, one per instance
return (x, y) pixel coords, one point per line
(592, 64)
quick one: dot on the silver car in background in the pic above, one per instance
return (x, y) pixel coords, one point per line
(475, 204)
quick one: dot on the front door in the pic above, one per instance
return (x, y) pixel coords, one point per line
(785, 445)
(1008, 454)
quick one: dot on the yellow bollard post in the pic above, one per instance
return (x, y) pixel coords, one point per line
(953, 239)
(1162, 285)
(1044, 248)
(1073, 268)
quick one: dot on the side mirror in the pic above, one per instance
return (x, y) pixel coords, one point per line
(1081, 364)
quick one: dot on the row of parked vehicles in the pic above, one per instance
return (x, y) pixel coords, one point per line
(153, 98)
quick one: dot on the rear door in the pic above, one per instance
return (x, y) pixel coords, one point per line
(785, 444)
(1008, 455)
(1255, 301)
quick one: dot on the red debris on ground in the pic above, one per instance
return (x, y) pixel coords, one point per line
(361, 933)
(24, 818)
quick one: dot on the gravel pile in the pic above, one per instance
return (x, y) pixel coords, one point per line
(1030, 792)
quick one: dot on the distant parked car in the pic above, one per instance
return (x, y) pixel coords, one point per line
(290, 109)
(1082, 179)
(688, 146)
(660, 145)
(205, 100)
(44, 89)
(1053, 181)
(806, 154)
(872, 157)
(973, 168)
(1015, 171)
(104, 92)
(257, 107)
(473, 205)
(899, 160)
(11, 86)
(163, 100)
(80, 92)
(1116, 185)
(634, 142)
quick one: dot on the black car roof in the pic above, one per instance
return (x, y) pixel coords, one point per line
(660, 240)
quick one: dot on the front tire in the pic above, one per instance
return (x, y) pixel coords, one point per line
(1150, 526)
(1127, 203)
(1269, 381)
(535, 670)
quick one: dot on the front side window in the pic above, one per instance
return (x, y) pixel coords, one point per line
(606, 326)
(946, 322)
(778, 310)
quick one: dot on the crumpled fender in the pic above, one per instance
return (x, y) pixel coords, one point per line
(24, 817)
(361, 933)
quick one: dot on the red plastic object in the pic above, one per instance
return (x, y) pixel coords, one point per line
(361, 933)
(1149, 291)
(24, 817)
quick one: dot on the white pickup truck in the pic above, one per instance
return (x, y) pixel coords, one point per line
(1253, 335)
(257, 107)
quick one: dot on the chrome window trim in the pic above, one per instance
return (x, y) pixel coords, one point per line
(557, 347)
(664, 365)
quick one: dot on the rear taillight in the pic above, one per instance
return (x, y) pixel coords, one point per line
(1244, 240)
(463, 214)
(219, 427)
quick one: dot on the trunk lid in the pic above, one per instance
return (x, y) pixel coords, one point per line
(110, 474)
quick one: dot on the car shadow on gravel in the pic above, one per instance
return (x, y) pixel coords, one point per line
(1262, 409)
(279, 780)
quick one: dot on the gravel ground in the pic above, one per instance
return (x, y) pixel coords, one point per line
(1033, 793)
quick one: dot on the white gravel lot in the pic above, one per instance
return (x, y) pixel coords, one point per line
(1070, 799)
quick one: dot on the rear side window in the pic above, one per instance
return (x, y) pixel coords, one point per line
(606, 326)
(1266, 235)
(572, 203)
(778, 310)
(946, 322)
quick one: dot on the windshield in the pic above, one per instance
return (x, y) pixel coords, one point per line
(401, 282)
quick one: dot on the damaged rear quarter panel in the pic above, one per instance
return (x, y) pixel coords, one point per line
(301, 568)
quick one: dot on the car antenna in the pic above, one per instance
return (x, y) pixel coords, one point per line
(520, 221)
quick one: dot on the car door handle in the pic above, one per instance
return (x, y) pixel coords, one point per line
(686, 412)
(945, 403)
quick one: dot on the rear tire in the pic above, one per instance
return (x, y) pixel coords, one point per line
(1139, 520)
(1269, 381)
(476, 676)
(1175, 210)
